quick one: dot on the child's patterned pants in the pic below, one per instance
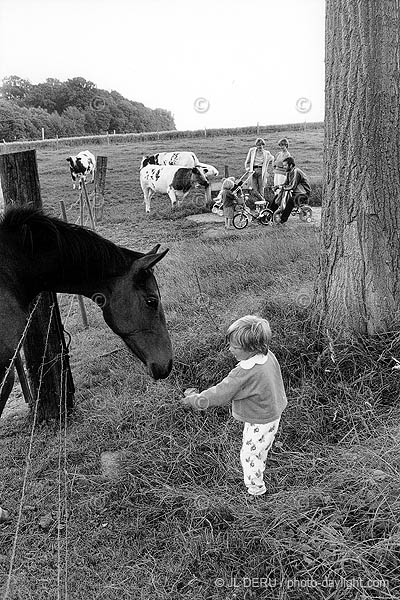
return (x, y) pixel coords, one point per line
(257, 441)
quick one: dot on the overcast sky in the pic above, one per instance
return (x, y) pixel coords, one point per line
(247, 61)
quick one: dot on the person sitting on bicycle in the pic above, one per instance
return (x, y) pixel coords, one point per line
(297, 186)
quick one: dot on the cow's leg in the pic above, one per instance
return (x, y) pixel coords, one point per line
(172, 194)
(148, 194)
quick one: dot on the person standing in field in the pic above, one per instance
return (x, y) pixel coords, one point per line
(258, 160)
(279, 169)
(256, 392)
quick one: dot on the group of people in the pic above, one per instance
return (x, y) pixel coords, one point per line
(288, 180)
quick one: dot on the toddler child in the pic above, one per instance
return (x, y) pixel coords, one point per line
(228, 200)
(256, 391)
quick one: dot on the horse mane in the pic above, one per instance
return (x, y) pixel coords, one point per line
(77, 246)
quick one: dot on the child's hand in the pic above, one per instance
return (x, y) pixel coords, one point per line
(190, 391)
(196, 401)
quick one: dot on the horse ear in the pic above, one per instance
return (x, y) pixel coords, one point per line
(154, 250)
(148, 261)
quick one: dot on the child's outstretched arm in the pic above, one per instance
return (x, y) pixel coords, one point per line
(217, 395)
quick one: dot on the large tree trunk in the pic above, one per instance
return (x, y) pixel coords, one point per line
(358, 288)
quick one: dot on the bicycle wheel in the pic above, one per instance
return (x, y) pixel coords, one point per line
(305, 213)
(240, 220)
(266, 217)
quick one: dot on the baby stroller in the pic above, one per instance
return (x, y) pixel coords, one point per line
(237, 190)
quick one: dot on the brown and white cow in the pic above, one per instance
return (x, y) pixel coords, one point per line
(82, 165)
(172, 180)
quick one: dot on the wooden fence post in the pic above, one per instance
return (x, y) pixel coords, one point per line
(20, 182)
(226, 171)
(99, 186)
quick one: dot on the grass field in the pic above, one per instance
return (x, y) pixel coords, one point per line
(173, 521)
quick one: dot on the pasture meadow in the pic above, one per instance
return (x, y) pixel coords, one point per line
(170, 518)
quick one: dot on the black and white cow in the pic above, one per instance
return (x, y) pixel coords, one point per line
(183, 159)
(82, 165)
(175, 181)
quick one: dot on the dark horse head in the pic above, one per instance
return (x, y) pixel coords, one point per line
(41, 253)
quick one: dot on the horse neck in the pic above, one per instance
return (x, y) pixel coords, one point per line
(51, 273)
(88, 278)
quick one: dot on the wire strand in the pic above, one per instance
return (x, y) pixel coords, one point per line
(28, 461)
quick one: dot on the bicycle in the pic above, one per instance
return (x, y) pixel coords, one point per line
(300, 207)
(244, 215)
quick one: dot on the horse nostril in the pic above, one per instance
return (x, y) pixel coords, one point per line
(160, 372)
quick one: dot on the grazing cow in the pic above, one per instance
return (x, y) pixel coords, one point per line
(183, 159)
(82, 165)
(172, 180)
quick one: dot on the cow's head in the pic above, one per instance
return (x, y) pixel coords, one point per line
(72, 166)
(72, 161)
(209, 170)
(198, 179)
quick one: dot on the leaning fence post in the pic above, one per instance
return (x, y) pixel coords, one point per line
(26, 390)
(89, 207)
(80, 298)
(20, 183)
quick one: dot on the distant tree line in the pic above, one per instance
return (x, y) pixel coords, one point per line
(71, 108)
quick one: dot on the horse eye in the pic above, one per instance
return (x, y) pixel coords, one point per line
(152, 302)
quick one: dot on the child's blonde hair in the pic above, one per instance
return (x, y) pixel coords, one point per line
(252, 333)
(228, 183)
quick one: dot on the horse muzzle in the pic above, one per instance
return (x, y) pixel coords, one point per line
(157, 371)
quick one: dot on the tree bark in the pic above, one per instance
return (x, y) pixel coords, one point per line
(358, 286)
